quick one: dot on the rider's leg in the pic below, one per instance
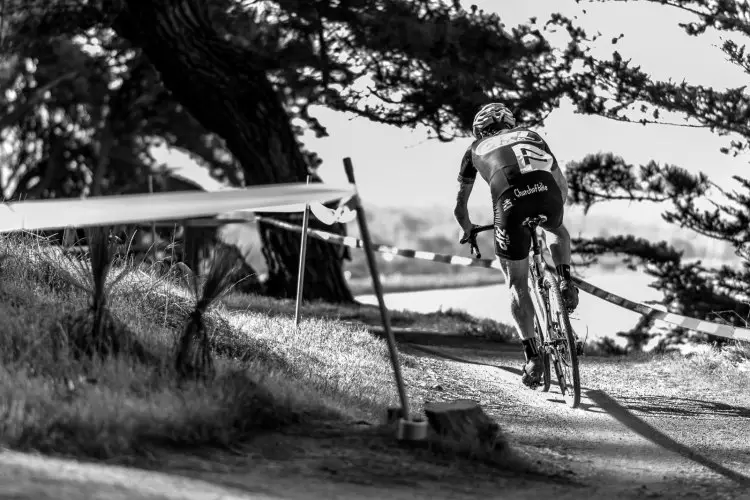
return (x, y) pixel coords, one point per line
(558, 241)
(512, 242)
(521, 308)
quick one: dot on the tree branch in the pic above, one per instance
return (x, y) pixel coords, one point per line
(12, 118)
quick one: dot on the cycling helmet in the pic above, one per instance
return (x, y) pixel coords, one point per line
(492, 116)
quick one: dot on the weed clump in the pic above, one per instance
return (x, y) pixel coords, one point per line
(94, 331)
(194, 359)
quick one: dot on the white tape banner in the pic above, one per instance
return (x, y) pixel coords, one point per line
(126, 209)
(344, 212)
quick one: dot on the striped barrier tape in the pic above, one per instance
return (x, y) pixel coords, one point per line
(352, 242)
(718, 329)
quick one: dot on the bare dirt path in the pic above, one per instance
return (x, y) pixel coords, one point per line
(640, 433)
(638, 426)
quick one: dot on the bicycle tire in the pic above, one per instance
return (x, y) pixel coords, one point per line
(571, 389)
(540, 336)
(546, 376)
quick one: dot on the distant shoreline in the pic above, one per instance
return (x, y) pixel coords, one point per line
(402, 283)
(422, 282)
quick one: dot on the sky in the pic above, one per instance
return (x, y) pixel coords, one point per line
(402, 168)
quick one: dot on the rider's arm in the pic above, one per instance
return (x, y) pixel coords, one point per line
(562, 183)
(466, 177)
(557, 172)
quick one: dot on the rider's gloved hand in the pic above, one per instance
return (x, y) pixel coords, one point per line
(467, 236)
(471, 239)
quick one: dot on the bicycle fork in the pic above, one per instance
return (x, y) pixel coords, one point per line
(548, 345)
(537, 271)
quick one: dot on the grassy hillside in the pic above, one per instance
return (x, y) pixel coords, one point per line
(283, 400)
(270, 375)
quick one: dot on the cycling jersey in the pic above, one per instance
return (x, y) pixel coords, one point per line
(504, 158)
(517, 164)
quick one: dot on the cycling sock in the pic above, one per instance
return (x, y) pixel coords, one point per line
(563, 270)
(529, 348)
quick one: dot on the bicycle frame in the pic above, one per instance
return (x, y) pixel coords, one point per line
(536, 263)
(536, 268)
(556, 335)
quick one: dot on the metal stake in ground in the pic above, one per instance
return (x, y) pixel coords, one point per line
(153, 223)
(408, 429)
(302, 255)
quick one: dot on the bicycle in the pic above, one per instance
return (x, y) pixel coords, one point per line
(557, 342)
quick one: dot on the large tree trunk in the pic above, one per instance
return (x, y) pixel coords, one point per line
(323, 277)
(226, 88)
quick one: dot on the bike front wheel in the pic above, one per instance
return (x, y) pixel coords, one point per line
(540, 331)
(562, 344)
(546, 377)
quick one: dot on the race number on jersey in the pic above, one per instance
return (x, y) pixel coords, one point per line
(497, 141)
(532, 158)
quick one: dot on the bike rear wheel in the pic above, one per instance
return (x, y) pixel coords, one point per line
(563, 344)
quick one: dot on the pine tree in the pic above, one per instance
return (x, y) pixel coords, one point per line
(243, 71)
(626, 93)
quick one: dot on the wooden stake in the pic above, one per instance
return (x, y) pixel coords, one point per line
(372, 264)
(153, 223)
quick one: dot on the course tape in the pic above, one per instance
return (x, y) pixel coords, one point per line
(344, 212)
(720, 330)
(352, 242)
(138, 208)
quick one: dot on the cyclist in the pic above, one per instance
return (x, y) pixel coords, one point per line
(525, 180)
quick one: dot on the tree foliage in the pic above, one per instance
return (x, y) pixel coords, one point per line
(694, 202)
(104, 107)
(404, 63)
(233, 82)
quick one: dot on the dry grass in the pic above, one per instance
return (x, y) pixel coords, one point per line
(449, 320)
(269, 374)
(729, 363)
(705, 368)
